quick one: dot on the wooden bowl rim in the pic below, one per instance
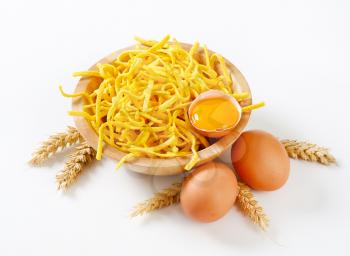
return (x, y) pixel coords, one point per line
(211, 152)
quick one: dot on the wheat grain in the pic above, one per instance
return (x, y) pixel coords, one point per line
(250, 207)
(308, 152)
(83, 155)
(161, 199)
(54, 143)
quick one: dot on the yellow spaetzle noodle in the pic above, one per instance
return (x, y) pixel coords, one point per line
(140, 107)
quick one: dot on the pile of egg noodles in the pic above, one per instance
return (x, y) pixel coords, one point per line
(140, 107)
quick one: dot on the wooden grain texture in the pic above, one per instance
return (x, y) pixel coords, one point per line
(158, 166)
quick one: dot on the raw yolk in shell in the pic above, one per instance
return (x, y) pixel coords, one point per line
(214, 114)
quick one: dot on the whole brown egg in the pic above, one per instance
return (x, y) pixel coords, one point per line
(260, 160)
(209, 192)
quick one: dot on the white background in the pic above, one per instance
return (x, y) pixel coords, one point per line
(295, 56)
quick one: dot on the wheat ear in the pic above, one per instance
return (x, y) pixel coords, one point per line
(83, 155)
(250, 207)
(308, 151)
(161, 199)
(54, 143)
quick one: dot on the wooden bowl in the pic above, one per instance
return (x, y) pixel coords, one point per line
(159, 166)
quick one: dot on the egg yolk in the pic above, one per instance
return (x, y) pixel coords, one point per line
(214, 114)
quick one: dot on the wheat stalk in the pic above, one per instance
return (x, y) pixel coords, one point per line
(161, 199)
(250, 207)
(83, 155)
(169, 196)
(54, 143)
(308, 151)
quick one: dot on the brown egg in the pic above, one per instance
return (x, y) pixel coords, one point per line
(260, 160)
(209, 192)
